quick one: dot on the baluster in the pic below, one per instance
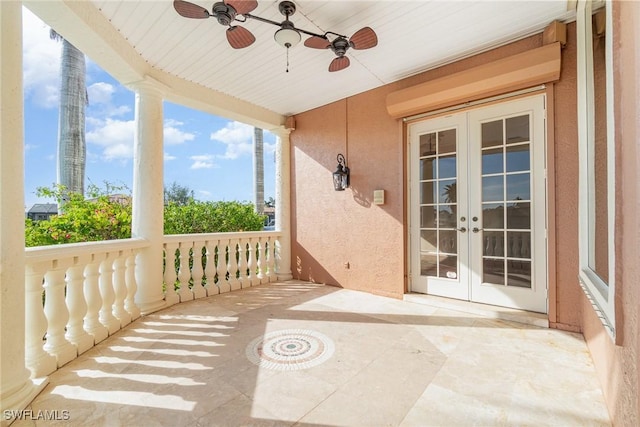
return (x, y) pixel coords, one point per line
(77, 306)
(222, 266)
(170, 295)
(120, 289)
(271, 261)
(39, 362)
(251, 263)
(132, 286)
(242, 264)
(260, 264)
(210, 269)
(526, 246)
(57, 315)
(183, 272)
(105, 282)
(197, 272)
(233, 265)
(488, 247)
(94, 301)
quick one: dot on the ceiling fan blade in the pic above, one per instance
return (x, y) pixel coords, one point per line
(190, 10)
(239, 37)
(317, 42)
(242, 7)
(364, 38)
(339, 63)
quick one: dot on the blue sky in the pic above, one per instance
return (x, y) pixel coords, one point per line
(210, 155)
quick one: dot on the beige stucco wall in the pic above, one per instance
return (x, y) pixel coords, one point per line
(332, 228)
(617, 365)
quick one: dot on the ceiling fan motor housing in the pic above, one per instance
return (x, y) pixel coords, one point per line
(224, 13)
(339, 46)
(287, 8)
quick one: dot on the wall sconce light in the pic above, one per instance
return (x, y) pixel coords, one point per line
(341, 175)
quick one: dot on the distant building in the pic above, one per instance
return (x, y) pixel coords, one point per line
(42, 211)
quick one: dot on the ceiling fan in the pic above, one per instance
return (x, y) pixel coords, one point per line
(230, 12)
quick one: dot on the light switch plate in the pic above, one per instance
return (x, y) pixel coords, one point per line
(378, 197)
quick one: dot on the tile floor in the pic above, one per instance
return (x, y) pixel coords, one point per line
(302, 354)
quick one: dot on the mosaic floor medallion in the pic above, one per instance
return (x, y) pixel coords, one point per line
(290, 349)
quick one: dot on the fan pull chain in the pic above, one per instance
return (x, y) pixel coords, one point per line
(287, 58)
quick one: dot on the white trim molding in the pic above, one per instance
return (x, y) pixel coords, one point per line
(600, 293)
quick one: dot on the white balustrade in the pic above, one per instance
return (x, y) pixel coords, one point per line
(78, 294)
(69, 289)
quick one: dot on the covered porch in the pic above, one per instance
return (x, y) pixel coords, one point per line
(332, 357)
(104, 333)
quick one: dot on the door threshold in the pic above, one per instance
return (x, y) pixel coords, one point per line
(485, 310)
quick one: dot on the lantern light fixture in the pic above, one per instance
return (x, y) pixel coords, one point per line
(341, 175)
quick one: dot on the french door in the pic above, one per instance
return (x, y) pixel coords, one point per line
(478, 205)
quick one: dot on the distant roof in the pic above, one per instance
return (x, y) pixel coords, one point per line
(44, 208)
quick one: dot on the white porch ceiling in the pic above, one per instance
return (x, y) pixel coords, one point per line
(413, 36)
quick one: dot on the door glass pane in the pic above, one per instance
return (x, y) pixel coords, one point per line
(493, 271)
(447, 141)
(492, 134)
(519, 216)
(449, 267)
(492, 161)
(518, 187)
(448, 191)
(428, 265)
(427, 144)
(439, 238)
(427, 217)
(428, 168)
(493, 243)
(447, 166)
(448, 241)
(517, 158)
(492, 188)
(519, 273)
(447, 217)
(427, 193)
(518, 244)
(517, 129)
(428, 240)
(493, 215)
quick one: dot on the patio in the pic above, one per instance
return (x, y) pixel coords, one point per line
(343, 358)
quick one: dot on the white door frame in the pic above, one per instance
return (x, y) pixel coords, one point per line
(476, 290)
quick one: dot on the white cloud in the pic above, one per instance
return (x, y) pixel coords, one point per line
(238, 137)
(41, 62)
(115, 137)
(173, 135)
(205, 193)
(100, 93)
(203, 161)
(168, 157)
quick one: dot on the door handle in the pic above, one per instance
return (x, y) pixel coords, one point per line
(462, 229)
(476, 229)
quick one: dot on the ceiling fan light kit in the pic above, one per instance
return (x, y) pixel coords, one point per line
(230, 13)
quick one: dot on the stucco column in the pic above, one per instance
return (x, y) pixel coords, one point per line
(283, 204)
(16, 389)
(148, 194)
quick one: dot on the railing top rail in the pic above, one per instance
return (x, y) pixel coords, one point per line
(45, 253)
(176, 238)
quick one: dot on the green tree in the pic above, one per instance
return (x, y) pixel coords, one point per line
(178, 194)
(100, 217)
(211, 217)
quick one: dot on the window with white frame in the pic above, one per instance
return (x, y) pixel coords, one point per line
(596, 157)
